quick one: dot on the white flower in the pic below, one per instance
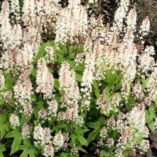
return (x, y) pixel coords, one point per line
(136, 118)
(41, 135)
(28, 10)
(132, 126)
(24, 56)
(119, 17)
(2, 81)
(26, 130)
(23, 88)
(15, 8)
(42, 71)
(58, 140)
(48, 151)
(69, 85)
(116, 99)
(38, 134)
(110, 142)
(27, 108)
(137, 90)
(149, 50)
(42, 113)
(14, 120)
(145, 27)
(46, 135)
(71, 93)
(146, 62)
(131, 19)
(76, 2)
(103, 132)
(71, 23)
(50, 52)
(44, 80)
(6, 29)
(52, 107)
(87, 78)
(92, 1)
(16, 35)
(144, 145)
(65, 75)
(121, 13)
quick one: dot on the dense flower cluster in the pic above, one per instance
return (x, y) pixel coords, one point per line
(14, 120)
(121, 13)
(117, 50)
(44, 80)
(132, 128)
(71, 94)
(74, 23)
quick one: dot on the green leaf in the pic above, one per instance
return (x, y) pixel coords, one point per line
(34, 72)
(155, 101)
(16, 145)
(33, 97)
(104, 153)
(152, 112)
(107, 93)
(113, 77)
(110, 77)
(64, 154)
(60, 58)
(78, 77)
(96, 89)
(28, 149)
(56, 83)
(151, 126)
(144, 83)
(73, 138)
(29, 153)
(82, 131)
(40, 54)
(9, 82)
(4, 126)
(24, 153)
(148, 119)
(2, 149)
(93, 135)
(2, 102)
(82, 140)
(97, 125)
(150, 116)
(25, 119)
(81, 149)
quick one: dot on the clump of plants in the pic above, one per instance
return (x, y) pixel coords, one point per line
(92, 89)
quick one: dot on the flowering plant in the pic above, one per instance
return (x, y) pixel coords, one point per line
(93, 88)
